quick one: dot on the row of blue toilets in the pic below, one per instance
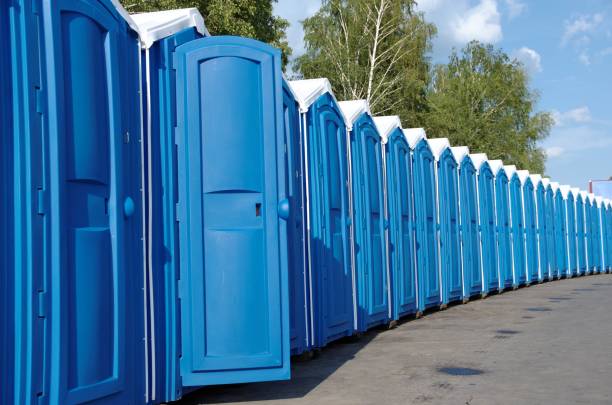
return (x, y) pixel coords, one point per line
(175, 214)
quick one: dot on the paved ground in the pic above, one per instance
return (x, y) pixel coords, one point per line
(547, 344)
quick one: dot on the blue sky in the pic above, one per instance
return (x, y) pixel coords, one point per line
(566, 45)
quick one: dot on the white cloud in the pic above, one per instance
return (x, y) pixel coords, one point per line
(578, 29)
(515, 8)
(584, 57)
(529, 58)
(481, 22)
(554, 151)
(606, 52)
(578, 115)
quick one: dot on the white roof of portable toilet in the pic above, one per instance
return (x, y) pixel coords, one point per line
(386, 125)
(599, 201)
(565, 191)
(584, 195)
(555, 186)
(460, 152)
(438, 146)
(536, 179)
(414, 136)
(352, 110)
(545, 182)
(308, 91)
(607, 202)
(496, 166)
(575, 192)
(510, 170)
(591, 197)
(523, 176)
(126, 16)
(478, 159)
(162, 24)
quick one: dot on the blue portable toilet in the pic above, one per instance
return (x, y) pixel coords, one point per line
(468, 210)
(596, 229)
(589, 233)
(331, 309)
(608, 240)
(530, 220)
(570, 230)
(502, 223)
(549, 212)
(373, 289)
(215, 117)
(540, 197)
(517, 226)
(400, 203)
(449, 242)
(560, 231)
(485, 191)
(425, 207)
(581, 242)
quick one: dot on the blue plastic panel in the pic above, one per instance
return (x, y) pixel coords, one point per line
(95, 263)
(596, 234)
(428, 276)
(581, 247)
(296, 258)
(330, 277)
(571, 235)
(488, 233)
(588, 221)
(449, 238)
(471, 254)
(609, 239)
(561, 234)
(504, 246)
(540, 196)
(517, 231)
(370, 245)
(233, 276)
(531, 233)
(401, 225)
(550, 234)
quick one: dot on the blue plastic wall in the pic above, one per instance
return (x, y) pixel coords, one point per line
(562, 253)
(488, 233)
(428, 276)
(596, 237)
(551, 251)
(294, 183)
(540, 196)
(401, 225)
(571, 235)
(517, 230)
(330, 276)
(581, 245)
(604, 238)
(531, 233)
(588, 226)
(470, 247)
(371, 270)
(609, 239)
(448, 223)
(232, 211)
(504, 243)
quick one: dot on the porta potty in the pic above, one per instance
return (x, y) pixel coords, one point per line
(596, 234)
(540, 197)
(424, 166)
(485, 191)
(601, 234)
(608, 243)
(215, 116)
(447, 198)
(589, 232)
(502, 223)
(581, 232)
(517, 226)
(400, 202)
(331, 309)
(468, 209)
(530, 219)
(570, 230)
(373, 290)
(549, 210)
(560, 231)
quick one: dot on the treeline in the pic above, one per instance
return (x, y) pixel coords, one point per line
(379, 50)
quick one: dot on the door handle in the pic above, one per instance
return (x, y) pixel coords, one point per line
(128, 207)
(284, 209)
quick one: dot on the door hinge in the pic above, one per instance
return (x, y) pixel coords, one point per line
(42, 201)
(40, 100)
(42, 304)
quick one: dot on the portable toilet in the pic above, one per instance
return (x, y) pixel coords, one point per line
(560, 231)
(549, 209)
(590, 233)
(216, 136)
(400, 202)
(425, 206)
(608, 241)
(517, 226)
(485, 191)
(468, 209)
(373, 290)
(540, 197)
(530, 219)
(596, 234)
(502, 216)
(72, 254)
(330, 279)
(570, 230)
(601, 234)
(581, 245)
(447, 198)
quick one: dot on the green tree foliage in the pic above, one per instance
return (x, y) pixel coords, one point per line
(246, 18)
(482, 99)
(371, 49)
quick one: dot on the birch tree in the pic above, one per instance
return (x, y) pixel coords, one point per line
(371, 49)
